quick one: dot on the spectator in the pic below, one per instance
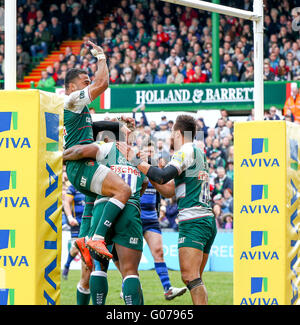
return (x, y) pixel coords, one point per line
(222, 130)
(46, 81)
(282, 72)
(295, 70)
(61, 79)
(127, 77)
(114, 78)
(227, 221)
(240, 64)
(199, 76)
(161, 151)
(23, 62)
(272, 114)
(41, 41)
(75, 23)
(163, 133)
(227, 206)
(248, 74)
(27, 38)
(228, 75)
(162, 36)
(222, 181)
(163, 221)
(174, 58)
(56, 31)
(160, 77)
(144, 77)
(175, 77)
(217, 211)
(268, 74)
(229, 168)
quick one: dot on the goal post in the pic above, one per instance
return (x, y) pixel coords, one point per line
(258, 20)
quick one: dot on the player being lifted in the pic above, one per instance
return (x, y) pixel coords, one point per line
(185, 176)
(126, 232)
(87, 176)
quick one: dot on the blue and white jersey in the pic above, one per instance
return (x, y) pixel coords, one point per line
(149, 203)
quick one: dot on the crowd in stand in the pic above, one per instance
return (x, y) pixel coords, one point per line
(157, 42)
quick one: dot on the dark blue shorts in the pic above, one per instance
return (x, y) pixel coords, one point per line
(151, 225)
(75, 231)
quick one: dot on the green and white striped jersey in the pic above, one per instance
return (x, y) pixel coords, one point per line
(192, 183)
(77, 119)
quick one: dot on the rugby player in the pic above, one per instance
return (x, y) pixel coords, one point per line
(73, 204)
(185, 176)
(87, 175)
(126, 231)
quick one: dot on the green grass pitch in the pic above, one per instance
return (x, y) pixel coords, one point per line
(219, 286)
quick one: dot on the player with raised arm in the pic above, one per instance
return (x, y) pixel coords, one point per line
(185, 176)
(87, 175)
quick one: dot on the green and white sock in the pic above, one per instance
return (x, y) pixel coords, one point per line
(112, 209)
(132, 290)
(82, 296)
(98, 287)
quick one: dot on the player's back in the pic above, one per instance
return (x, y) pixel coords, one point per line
(149, 203)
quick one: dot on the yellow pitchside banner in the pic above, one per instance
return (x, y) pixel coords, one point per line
(266, 213)
(31, 127)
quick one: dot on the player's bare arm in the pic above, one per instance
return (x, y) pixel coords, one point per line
(81, 151)
(67, 203)
(101, 80)
(144, 186)
(166, 190)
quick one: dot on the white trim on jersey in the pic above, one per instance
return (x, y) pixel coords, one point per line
(77, 100)
(183, 158)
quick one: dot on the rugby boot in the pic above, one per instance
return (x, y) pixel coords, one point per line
(174, 292)
(84, 252)
(99, 247)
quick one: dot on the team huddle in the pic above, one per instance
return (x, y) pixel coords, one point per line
(121, 193)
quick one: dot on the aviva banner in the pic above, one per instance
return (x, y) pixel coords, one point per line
(266, 212)
(30, 197)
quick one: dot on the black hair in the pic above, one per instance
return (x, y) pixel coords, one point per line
(185, 123)
(73, 74)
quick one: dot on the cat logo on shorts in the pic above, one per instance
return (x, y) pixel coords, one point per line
(107, 223)
(83, 181)
(133, 240)
(181, 240)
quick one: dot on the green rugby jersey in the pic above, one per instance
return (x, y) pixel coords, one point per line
(192, 183)
(77, 119)
(111, 157)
